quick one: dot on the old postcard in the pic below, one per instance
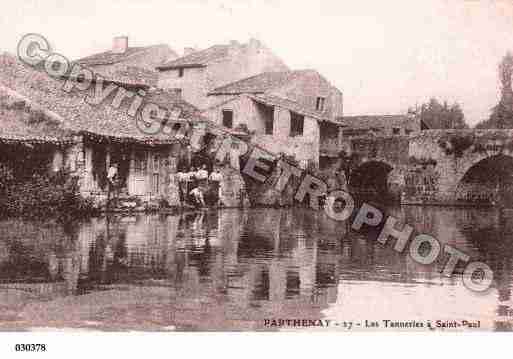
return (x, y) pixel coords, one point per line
(261, 166)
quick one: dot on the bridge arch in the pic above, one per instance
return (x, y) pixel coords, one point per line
(486, 180)
(369, 180)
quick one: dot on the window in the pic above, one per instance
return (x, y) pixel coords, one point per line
(228, 118)
(180, 72)
(269, 125)
(292, 284)
(319, 106)
(396, 130)
(408, 131)
(297, 123)
(268, 115)
(140, 164)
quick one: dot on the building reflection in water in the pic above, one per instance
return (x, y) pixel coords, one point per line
(264, 263)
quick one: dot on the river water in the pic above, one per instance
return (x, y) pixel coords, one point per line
(235, 269)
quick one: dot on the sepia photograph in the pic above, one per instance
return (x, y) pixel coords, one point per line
(255, 166)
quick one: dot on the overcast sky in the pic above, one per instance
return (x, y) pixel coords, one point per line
(384, 55)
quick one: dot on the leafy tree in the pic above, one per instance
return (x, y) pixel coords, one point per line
(502, 113)
(440, 115)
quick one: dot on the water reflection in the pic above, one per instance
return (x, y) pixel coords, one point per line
(231, 269)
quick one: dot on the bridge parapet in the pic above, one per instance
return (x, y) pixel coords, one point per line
(439, 160)
(390, 149)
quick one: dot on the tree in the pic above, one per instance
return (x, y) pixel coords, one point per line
(441, 115)
(502, 113)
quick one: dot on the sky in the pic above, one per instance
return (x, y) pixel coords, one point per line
(385, 56)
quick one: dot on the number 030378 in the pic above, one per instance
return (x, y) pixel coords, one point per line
(30, 347)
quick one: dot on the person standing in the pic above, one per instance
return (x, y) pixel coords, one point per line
(202, 176)
(112, 174)
(215, 181)
(181, 178)
(191, 179)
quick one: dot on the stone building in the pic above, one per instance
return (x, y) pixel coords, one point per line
(200, 71)
(289, 111)
(129, 64)
(87, 138)
(381, 125)
(245, 87)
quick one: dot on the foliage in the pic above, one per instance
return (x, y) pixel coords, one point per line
(49, 195)
(502, 113)
(456, 145)
(505, 72)
(479, 148)
(501, 117)
(440, 115)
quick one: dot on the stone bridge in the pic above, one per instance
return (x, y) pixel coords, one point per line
(444, 167)
(452, 167)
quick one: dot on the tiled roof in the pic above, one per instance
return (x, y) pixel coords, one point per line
(170, 99)
(109, 57)
(288, 104)
(129, 75)
(19, 121)
(136, 66)
(260, 83)
(81, 116)
(198, 58)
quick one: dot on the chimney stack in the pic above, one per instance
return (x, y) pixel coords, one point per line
(120, 44)
(254, 44)
(188, 50)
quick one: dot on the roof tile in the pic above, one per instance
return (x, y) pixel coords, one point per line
(110, 58)
(79, 115)
(198, 58)
(259, 83)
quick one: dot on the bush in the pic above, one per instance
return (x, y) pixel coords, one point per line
(456, 145)
(49, 195)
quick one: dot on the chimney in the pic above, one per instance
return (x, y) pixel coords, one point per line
(188, 50)
(120, 44)
(254, 44)
(234, 48)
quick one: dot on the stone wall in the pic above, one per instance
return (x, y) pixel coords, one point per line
(267, 195)
(452, 153)
(304, 148)
(392, 150)
(424, 169)
(233, 189)
(244, 112)
(307, 88)
(193, 84)
(241, 62)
